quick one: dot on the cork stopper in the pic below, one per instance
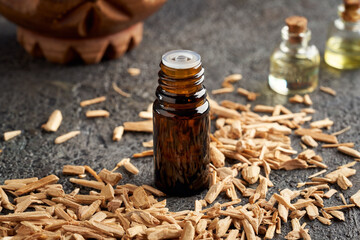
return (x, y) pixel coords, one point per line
(351, 11)
(296, 24)
(351, 5)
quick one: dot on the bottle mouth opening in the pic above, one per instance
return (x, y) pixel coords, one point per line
(181, 59)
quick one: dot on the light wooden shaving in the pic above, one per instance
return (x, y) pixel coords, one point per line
(324, 221)
(277, 110)
(88, 211)
(92, 101)
(328, 90)
(66, 137)
(307, 100)
(264, 108)
(110, 177)
(350, 164)
(134, 71)
(356, 199)
(54, 121)
(38, 184)
(118, 133)
(235, 106)
(5, 200)
(251, 96)
(349, 151)
(119, 91)
(73, 170)
(341, 131)
(216, 157)
(284, 110)
(25, 216)
(309, 141)
(12, 134)
(97, 113)
(188, 231)
(214, 191)
(296, 99)
(223, 111)
(343, 198)
(330, 193)
(282, 117)
(338, 207)
(322, 123)
(130, 167)
(154, 191)
(343, 182)
(347, 172)
(350, 145)
(317, 136)
(146, 115)
(251, 173)
(308, 110)
(148, 144)
(312, 211)
(87, 183)
(229, 80)
(93, 173)
(317, 174)
(120, 163)
(338, 214)
(143, 154)
(141, 126)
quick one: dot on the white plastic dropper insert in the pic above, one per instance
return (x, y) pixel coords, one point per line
(181, 59)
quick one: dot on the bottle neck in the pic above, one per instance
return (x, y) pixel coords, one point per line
(349, 19)
(181, 88)
(341, 24)
(294, 42)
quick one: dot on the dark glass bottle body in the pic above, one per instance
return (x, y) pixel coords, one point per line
(181, 131)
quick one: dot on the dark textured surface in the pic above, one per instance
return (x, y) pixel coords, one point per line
(231, 36)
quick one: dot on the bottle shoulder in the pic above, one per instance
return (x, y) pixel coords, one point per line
(310, 52)
(196, 111)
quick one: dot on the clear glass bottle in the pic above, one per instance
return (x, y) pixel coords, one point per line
(343, 45)
(294, 65)
(181, 125)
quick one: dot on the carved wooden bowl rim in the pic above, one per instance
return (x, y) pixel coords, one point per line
(78, 18)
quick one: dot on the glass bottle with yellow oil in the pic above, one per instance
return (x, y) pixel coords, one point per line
(294, 65)
(343, 45)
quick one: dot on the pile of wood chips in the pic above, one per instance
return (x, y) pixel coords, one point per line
(259, 144)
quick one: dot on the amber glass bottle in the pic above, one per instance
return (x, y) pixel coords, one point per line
(181, 125)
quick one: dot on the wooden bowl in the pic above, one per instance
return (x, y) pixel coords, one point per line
(64, 30)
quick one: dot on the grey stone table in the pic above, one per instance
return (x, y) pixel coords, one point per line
(232, 36)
